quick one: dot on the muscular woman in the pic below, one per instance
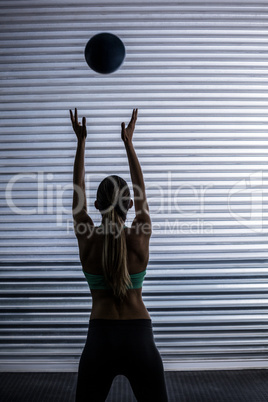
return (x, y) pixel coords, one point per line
(114, 258)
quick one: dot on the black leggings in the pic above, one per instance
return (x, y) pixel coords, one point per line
(124, 347)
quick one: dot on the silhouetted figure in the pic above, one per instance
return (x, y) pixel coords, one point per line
(114, 259)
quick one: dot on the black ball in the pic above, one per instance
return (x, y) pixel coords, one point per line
(104, 53)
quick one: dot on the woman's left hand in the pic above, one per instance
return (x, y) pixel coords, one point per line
(80, 130)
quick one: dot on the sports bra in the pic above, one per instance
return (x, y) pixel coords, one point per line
(97, 281)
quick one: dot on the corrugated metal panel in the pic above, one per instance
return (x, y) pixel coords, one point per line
(197, 71)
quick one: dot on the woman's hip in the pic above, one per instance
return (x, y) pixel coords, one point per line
(117, 335)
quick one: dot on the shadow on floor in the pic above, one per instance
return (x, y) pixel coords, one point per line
(186, 386)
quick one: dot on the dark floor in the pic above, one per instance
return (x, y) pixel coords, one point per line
(190, 386)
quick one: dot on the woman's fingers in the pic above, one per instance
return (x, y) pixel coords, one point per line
(72, 116)
(75, 116)
(123, 128)
(134, 115)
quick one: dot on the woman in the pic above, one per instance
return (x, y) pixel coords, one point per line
(114, 259)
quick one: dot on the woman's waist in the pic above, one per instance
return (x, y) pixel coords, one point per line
(136, 322)
(109, 308)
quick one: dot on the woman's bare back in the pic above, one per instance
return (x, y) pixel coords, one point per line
(104, 304)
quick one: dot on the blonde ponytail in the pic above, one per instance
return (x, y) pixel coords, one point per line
(114, 256)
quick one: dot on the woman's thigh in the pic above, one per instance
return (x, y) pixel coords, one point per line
(126, 348)
(95, 371)
(145, 370)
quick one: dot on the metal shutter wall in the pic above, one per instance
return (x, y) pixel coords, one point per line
(197, 71)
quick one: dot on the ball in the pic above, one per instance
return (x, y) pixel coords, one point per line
(104, 53)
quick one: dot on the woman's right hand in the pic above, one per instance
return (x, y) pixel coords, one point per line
(127, 133)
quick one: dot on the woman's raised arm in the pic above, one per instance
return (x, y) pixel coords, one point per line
(140, 200)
